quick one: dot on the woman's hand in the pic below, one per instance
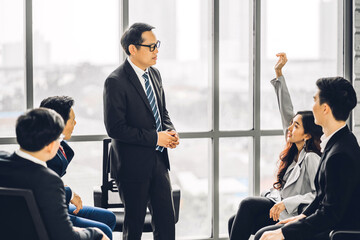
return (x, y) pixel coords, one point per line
(276, 210)
(280, 64)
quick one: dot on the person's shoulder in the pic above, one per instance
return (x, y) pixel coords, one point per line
(312, 155)
(311, 158)
(347, 144)
(119, 71)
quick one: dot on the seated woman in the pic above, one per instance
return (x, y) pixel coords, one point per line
(80, 216)
(298, 164)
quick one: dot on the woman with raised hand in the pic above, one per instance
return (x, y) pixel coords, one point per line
(298, 163)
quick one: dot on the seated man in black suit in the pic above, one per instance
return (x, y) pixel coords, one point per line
(37, 133)
(337, 182)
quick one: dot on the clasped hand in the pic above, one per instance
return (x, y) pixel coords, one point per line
(168, 139)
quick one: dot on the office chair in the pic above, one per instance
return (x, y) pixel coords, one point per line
(23, 221)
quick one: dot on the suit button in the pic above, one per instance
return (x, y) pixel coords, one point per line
(154, 126)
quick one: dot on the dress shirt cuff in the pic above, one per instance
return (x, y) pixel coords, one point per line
(72, 193)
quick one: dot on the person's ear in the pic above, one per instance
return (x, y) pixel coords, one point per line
(52, 147)
(307, 137)
(326, 108)
(132, 49)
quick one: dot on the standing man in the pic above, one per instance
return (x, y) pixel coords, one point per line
(136, 119)
(337, 182)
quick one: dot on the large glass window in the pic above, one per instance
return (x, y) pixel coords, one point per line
(308, 32)
(235, 158)
(183, 27)
(84, 171)
(12, 64)
(236, 98)
(271, 148)
(190, 173)
(76, 46)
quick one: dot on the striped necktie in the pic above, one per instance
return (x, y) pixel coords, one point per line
(151, 97)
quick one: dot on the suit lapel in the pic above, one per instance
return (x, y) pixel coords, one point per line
(328, 147)
(136, 83)
(68, 151)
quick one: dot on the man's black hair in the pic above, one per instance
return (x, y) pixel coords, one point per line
(61, 104)
(38, 128)
(133, 35)
(339, 94)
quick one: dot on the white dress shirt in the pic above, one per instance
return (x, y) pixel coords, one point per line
(29, 157)
(325, 140)
(139, 72)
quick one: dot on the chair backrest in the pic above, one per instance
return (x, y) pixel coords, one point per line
(108, 184)
(19, 215)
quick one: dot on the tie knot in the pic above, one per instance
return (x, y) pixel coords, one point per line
(145, 76)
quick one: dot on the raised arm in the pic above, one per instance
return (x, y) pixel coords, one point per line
(282, 93)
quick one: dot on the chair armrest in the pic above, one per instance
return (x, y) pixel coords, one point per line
(176, 199)
(97, 196)
(333, 234)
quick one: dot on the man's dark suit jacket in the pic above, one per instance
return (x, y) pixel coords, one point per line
(60, 163)
(337, 183)
(49, 193)
(130, 123)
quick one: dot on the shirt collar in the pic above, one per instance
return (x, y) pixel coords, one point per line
(29, 157)
(325, 140)
(137, 70)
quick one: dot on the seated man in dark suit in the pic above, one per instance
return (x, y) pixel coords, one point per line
(337, 182)
(37, 133)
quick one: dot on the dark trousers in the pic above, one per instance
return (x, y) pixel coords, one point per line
(253, 214)
(156, 194)
(320, 236)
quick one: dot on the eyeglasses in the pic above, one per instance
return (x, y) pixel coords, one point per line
(151, 47)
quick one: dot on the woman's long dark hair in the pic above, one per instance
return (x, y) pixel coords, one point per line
(311, 145)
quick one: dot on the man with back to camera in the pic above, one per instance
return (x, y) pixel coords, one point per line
(136, 119)
(38, 134)
(337, 182)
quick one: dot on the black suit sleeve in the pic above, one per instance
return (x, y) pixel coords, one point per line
(312, 207)
(115, 102)
(339, 175)
(51, 201)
